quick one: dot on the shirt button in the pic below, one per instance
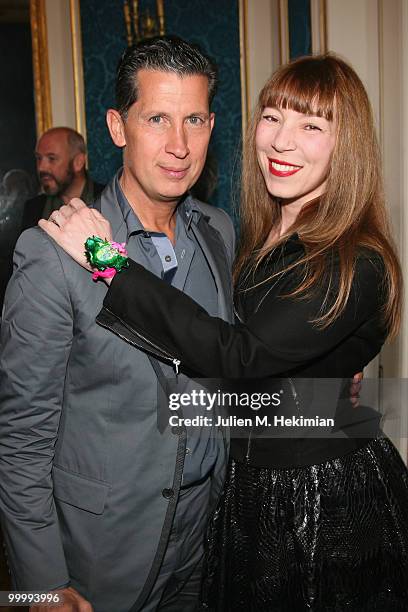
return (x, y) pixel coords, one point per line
(168, 493)
(176, 430)
(183, 252)
(167, 258)
(188, 451)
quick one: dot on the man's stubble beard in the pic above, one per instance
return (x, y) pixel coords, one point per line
(60, 186)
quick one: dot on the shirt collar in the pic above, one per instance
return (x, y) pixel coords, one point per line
(132, 221)
(188, 209)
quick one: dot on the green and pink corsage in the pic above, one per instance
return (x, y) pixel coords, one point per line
(107, 257)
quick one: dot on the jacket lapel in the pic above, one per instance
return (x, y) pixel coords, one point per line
(108, 205)
(215, 254)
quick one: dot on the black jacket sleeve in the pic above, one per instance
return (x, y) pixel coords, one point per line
(278, 338)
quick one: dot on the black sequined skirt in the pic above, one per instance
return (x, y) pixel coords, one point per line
(331, 537)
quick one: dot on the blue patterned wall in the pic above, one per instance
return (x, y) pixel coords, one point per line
(214, 25)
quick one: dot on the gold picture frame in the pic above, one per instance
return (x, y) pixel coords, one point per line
(77, 66)
(41, 72)
(44, 69)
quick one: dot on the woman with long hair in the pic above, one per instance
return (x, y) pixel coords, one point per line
(305, 523)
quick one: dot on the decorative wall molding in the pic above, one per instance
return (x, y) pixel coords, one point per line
(244, 62)
(284, 32)
(77, 63)
(318, 18)
(42, 89)
(262, 46)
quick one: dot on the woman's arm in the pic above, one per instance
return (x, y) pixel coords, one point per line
(278, 338)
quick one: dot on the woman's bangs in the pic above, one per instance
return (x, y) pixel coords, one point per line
(304, 95)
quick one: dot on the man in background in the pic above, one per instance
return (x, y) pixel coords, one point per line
(61, 165)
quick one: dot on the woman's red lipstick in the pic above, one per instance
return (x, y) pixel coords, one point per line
(282, 168)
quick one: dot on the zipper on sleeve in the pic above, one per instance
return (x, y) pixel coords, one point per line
(176, 365)
(158, 351)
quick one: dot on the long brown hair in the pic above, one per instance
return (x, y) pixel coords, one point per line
(351, 214)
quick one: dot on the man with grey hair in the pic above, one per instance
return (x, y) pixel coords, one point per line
(61, 166)
(99, 497)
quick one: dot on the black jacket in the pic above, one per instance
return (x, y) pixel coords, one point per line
(33, 208)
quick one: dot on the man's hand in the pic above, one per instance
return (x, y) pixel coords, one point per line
(72, 224)
(73, 602)
(355, 389)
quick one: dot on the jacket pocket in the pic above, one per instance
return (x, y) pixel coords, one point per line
(79, 491)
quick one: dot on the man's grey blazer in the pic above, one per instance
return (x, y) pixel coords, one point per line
(88, 483)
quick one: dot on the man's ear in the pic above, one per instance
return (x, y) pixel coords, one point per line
(212, 121)
(116, 128)
(79, 161)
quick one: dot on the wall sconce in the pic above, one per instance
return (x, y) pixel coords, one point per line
(141, 25)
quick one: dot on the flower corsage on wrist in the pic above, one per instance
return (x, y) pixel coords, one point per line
(106, 257)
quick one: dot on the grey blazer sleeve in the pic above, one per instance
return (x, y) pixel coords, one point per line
(36, 334)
